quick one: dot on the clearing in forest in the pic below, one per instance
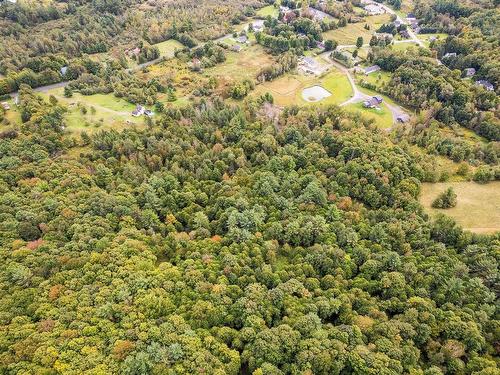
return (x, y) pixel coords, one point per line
(168, 47)
(92, 112)
(288, 89)
(269, 10)
(382, 115)
(350, 33)
(241, 65)
(478, 205)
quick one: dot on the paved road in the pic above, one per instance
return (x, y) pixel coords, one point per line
(358, 96)
(410, 31)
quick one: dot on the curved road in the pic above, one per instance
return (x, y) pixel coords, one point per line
(358, 95)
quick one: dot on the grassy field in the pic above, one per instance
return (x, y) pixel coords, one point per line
(403, 46)
(350, 33)
(241, 65)
(362, 52)
(378, 78)
(101, 111)
(168, 48)
(382, 116)
(12, 116)
(287, 90)
(478, 207)
(270, 10)
(426, 38)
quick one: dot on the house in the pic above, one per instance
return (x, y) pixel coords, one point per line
(138, 111)
(242, 39)
(195, 65)
(411, 17)
(289, 17)
(405, 34)
(148, 112)
(372, 103)
(309, 66)
(236, 48)
(378, 98)
(449, 54)
(402, 118)
(469, 72)
(64, 70)
(258, 25)
(5, 106)
(372, 69)
(319, 15)
(374, 9)
(487, 85)
(413, 24)
(320, 45)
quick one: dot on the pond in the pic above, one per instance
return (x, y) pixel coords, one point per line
(315, 94)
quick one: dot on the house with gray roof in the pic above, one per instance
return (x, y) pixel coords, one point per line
(487, 85)
(372, 69)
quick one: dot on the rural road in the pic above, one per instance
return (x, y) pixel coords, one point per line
(66, 83)
(410, 31)
(359, 96)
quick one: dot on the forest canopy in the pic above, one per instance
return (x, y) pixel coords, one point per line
(219, 242)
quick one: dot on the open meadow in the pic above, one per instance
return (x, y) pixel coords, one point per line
(241, 65)
(269, 10)
(478, 205)
(350, 33)
(92, 112)
(168, 48)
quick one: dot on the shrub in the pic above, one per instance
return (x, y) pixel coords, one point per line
(446, 199)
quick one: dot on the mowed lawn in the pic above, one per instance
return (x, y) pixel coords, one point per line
(168, 47)
(403, 46)
(378, 79)
(269, 10)
(382, 116)
(478, 205)
(287, 90)
(426, 37)
(350, 33)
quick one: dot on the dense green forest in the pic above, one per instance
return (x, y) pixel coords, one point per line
(219, 242)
